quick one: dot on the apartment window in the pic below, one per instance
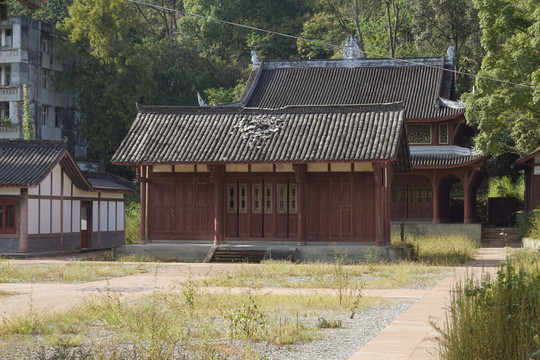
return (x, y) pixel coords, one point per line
(7, 216)
(7, 37)
(44, 114)
(44, 77)
(57, 118)
(4, 111)
(44, 43)
(6, 75)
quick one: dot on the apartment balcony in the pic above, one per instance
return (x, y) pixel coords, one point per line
(10, 55)
(10, 93)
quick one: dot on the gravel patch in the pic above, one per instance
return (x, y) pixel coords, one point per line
(340, 343)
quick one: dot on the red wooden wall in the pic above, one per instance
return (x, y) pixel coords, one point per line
(263, 206)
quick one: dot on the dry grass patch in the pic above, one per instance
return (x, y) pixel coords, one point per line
(331, 276)
(71, 272)
(182, 323)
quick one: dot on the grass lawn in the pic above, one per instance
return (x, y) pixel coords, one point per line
(12, 271)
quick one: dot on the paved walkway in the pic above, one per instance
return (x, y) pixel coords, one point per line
(411, 336)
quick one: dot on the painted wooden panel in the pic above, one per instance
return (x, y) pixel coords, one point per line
(112, 216)
(67, 186)
(67, 216)
(76, 221)
(95, 216)
(56, 219)
(33, 216)
(45, 216)
(103, 216)
(33, 191)
(411, 198)
(45, 185)
(10, 191)
(120, 213)
(56, 181)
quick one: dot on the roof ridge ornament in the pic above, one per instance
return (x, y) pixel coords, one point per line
(351, 49)
(200, 99)
(255, 60)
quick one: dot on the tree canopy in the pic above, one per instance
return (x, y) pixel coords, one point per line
(507, 116)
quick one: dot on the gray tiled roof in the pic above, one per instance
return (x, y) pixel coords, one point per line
(309, 134)
(26, 163)
(442, 155)
(422, 84)
(105, 181)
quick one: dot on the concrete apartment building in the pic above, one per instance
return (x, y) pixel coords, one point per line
(28, 56)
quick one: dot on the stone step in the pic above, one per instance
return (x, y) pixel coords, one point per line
(238, 255)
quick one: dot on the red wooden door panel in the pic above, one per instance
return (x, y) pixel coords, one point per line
(269, 201)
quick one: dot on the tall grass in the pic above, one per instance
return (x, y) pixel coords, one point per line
(442, 250)
(529, 225)
(496, 318)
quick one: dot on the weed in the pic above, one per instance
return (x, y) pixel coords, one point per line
(342, 276)
(189, 291)
(322, 323)
(247, 321)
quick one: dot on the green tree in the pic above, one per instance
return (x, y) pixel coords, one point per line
(439, 23)
(110, 70)
(51, 11)
(507, 115)
(28, 122)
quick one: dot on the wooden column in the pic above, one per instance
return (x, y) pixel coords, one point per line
(467, 198)
(217, 176)
(378, 199)
(435, 198)
(23, 221)
(387, 182)
(300, 172)
(62, 210)
(141, 172)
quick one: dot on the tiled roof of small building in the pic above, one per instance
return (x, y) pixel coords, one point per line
(304, 134)
(421, 84)
(104, 181)
(26, 163)
(442, 155)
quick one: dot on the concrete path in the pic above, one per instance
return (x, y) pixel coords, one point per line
(411, 336)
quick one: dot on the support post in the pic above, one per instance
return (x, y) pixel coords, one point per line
(217, 176)
(467, 199)
(377, 171)
(23, 222)
(142, 180)
(435, 200)
(300, 172)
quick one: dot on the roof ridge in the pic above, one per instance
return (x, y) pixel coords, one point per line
(159, 109)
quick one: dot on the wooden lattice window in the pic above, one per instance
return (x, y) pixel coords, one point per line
(443, 133)
(231, 198)
(419, 195)
(395, 195)
(293, 198)
(256, 196)
(282, 198)
(268, 198)
(243, 198)
(411, 195)
(429, 195)
(402, 195)
(419, 134)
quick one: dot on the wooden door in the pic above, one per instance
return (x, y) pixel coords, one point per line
(86, 224)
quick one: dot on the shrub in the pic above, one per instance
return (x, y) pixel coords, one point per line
(495, 319)
(133, 223)
(504, 188)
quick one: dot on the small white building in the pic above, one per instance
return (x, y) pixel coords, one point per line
(47, 204)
